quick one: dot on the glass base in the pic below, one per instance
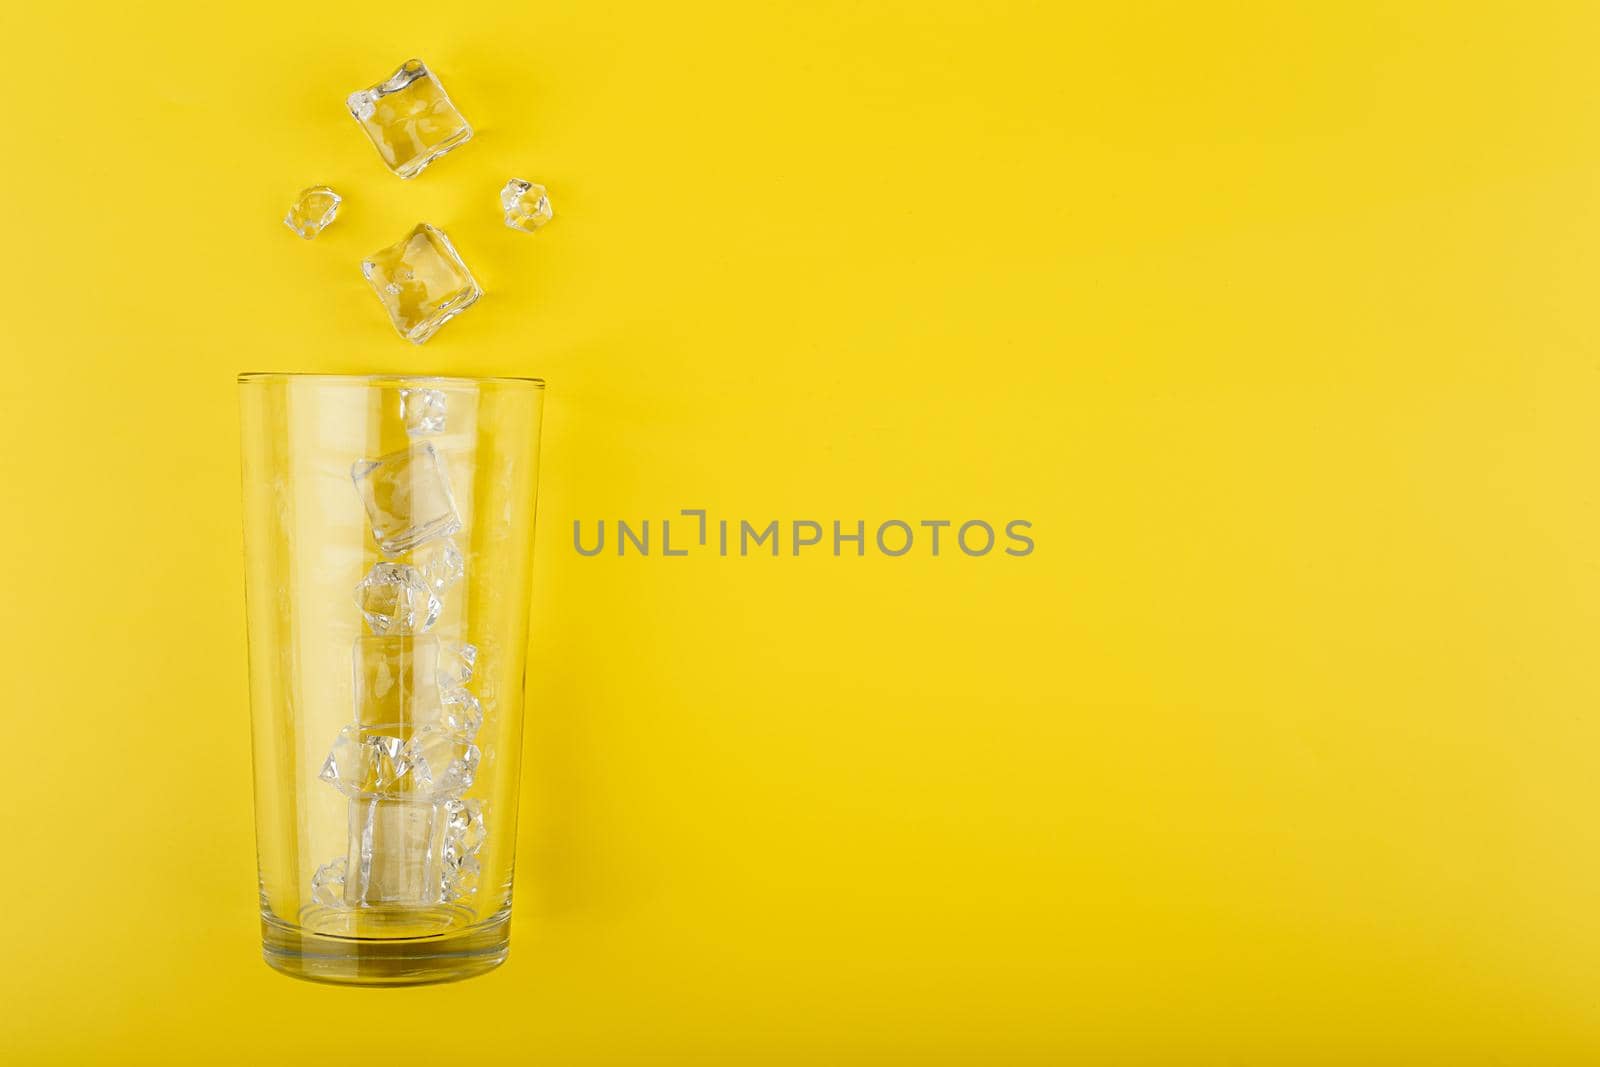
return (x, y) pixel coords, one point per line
(447, 956)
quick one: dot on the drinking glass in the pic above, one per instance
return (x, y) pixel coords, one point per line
(388, 526)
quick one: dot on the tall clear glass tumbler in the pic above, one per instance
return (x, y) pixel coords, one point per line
(388, 544)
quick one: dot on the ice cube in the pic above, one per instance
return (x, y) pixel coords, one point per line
(464, 834)
(327, 884)
(313, 211)
(396, 681)
(455, 665)
(439, 763)
(423, 411)
(365, 760)
(407, 495)
(421, 281)
(396, 852)
(526, 205)
(459, 879)
(409, 118)
(460, 713)
(464, 830)
(444, 566)
(395, 598)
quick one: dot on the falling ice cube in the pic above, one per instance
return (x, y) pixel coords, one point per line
(395, 599)
(455, 665)
(526, 205)
(396, 852)
(409, 118)
(421, 281)
(438, 762)
(364, 760)
(408, 498)
(313, 211)
(327, 884)
(444, 566)
(396, 681)
(422, 410)
(460, 713)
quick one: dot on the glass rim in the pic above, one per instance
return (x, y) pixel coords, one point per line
(255, 377)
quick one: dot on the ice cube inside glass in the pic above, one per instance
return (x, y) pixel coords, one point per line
(439, 762)
(396, 852)
(396, 681)
(366, 761)
(422, 282)
(407, 496)
(410, 119)
(423, 411)
(395, 598)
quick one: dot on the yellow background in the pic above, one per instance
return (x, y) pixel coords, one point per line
(1274, 319)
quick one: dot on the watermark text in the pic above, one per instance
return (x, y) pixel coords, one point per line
(695, 532)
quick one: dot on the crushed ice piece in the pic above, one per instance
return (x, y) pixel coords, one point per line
(396, 852)
(407, 495)
(464, 831)
(455, 665)
(526, 205)
(396, 680)
(409, 118)
(422, 410)
(460, 713)
(421, 281)
(327, 884)
(364, 760)
(395, 598)
(464, 835)
(444, 567)
(313, 211)
(459, 879)
(439, 764)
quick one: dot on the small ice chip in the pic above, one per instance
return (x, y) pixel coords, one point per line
(327, 884)
(409, 118)
(444, 566)
(526, 205)
(395, 599)
(464, 831)
(346, 767)
(407, 496)
(313, 211)
(459, 879)
(364, 762)
(438, 763)
(423, 411)
(460, 713)
(456, 663)
(464, 835)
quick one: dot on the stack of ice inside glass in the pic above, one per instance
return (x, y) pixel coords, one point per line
(409, 752)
